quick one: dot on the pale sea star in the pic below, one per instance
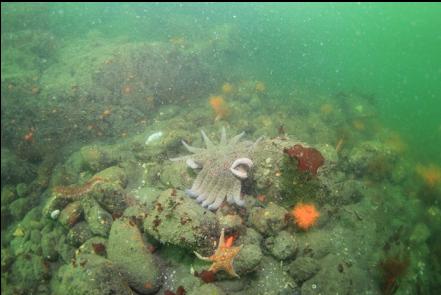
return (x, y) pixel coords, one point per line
(223, 167)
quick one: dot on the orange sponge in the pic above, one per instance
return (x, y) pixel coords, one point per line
(305, 215)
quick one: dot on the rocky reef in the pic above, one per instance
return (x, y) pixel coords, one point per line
(296, 203)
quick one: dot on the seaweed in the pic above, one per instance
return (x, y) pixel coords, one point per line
(392, 269)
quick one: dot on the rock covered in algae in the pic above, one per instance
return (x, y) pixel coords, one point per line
(314, 243)
(248, 259)
(89, 159)
(177, 219)
(174, 174)
(420, 233)
(177, 275)
(98, 157)
(372, 158)
(114, 174)
(110, 193)
(209, 289)
(90, 274)
(94, 158)
(49, 241)
(14, 169)
(19, 208)
(28, 271)
(79, 233)
(338, 277)
(22, 189)
(99, 220)
(71, 214)
(106, 187)
(230, 221)
(268, 220)
(272, 166)
(8, 195)
(65, 250)
(282, 246)
(7, 258)
(250, 236)
(347, 192)
(277, 176)
(303, 268)
(270, 278)
(95, 245)
(129, 253)
(53, 203)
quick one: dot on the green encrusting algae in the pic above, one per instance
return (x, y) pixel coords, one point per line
(108, 188)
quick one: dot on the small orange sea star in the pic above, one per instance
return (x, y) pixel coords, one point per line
(223, 256)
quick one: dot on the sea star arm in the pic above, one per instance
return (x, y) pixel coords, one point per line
(223, 140)
(207, 141)
(236, 170)
(192, 149)
(236, 194)
(221, 239)
(236, 139)
(217, 203)
(230, 268)
(201, 257)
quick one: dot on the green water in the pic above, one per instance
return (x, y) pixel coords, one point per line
(387, 50)
(386, 54)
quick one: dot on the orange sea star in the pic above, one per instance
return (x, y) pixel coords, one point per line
(223, 257)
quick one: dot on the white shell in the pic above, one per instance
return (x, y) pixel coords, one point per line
(154, 137)
(55, 213)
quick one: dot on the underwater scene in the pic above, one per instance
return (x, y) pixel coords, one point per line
(220, 148)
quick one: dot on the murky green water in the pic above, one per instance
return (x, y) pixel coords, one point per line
(85, 85)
